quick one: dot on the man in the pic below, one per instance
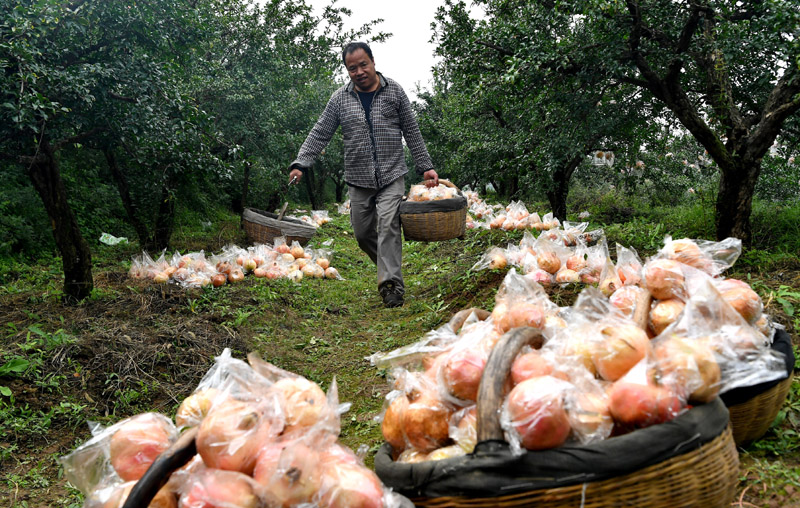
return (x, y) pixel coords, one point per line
(375, 115)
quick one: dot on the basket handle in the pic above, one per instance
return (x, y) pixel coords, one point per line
(495, 375)
(157, 474)
(641, 311)
(448, 183)
(457, 321)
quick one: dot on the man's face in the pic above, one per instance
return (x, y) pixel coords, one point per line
(362, 70)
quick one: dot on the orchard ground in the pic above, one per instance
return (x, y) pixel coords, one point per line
(136, 346)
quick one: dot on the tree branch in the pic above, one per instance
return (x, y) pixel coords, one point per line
(497, 48)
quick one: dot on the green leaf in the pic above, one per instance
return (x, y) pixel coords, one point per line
(16, 365)
(5, 391)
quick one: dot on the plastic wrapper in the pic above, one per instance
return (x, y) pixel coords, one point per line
(320, 217)
(664, 278)
(116, 495)
(587, 408)
(213, 488)
(497, 221)
(573, 233)
(741, 350)
(516, 216)
(596, 259)
(637, 400)
(708, 256)
(118, 453)
(494, 259)
(423, 193)
(520, 302)
(550, 256)
(629, 266)
(532, 363)
(415, 416)
(739, 295)
(464, 428)
(609, 279)
(344, 208)
(550, 221)
(625, 298)
(533, 415)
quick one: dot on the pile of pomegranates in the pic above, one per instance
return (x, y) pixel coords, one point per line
(276, 261)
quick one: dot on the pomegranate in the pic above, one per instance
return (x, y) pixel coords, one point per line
(232, 433)
(528, 365)
(664, 313)
(537, 413)
(462, 373)
(164, 498)
(521, 314)
(625, 346)
(219, 279)
(746, 302)
(567, 276)
(303, 402)
(212, 488)
(289, 471)
(426, 422)
(689, 365)
(350, 486)
(641, 405)
(548, 261)
(137, 442)
(195, 407)
(664, 279)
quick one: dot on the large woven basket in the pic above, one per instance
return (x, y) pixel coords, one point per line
(434, 221)
(753, 408)
(264, 227)
(751, 419)
(703, 473)
(704, 477)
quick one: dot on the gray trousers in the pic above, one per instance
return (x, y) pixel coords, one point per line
(375, 217)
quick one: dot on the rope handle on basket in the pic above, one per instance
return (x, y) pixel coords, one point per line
(641, 311)
(495, 375)
(175, 457)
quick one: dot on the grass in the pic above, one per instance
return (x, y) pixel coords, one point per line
(134, 346)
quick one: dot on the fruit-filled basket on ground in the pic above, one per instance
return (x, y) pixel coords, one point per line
(585, 404)
(263, 227)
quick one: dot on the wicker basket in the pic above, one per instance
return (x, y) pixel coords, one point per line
(427, 222)
(264, 227)
(704, 477)
(751, 420)
(704, 473)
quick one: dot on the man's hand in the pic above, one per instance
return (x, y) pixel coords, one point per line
(295, 175)
(431, 178)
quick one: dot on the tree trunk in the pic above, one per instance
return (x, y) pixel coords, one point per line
(165, 219)
(125, 195)
(76, 258)
(312, 194)
(338, 186)
(558, 193)
(510, 186)
(735, 201)
(245, 188)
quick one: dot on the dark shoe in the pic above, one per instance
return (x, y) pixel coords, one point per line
(392, 294)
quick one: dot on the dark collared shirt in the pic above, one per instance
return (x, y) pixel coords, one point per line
(392, 120)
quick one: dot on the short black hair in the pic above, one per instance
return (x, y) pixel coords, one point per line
(352, 47)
